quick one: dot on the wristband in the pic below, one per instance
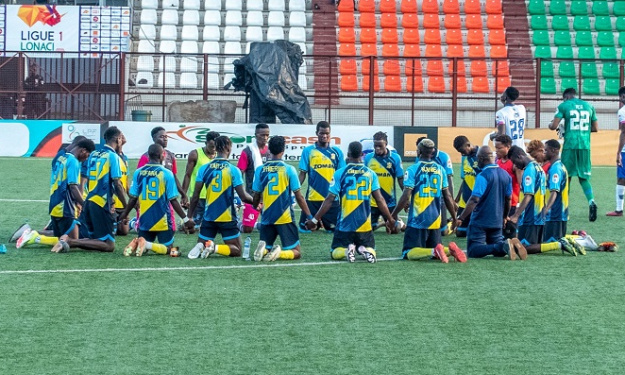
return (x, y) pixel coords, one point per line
(314, 221)
(185, 220)
(309, 217)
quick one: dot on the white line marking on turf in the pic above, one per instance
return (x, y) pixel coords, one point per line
(149, 269)
(25, 200)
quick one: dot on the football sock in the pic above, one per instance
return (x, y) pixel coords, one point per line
(222, 250)
(156, 247)
(417, 253)
(372, 251)
(620, 191)
(446, 250)
(46, 240)
(287, 254)
(549, 246)
(587, 188)
(338, 253)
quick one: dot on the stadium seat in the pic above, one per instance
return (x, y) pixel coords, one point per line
(254, 5)
(589, 69)
(410, 21)
(232, 34)
(536, 7)
(429, 7)
(462, 85)
(590, 86)
(167, 79)
(211, 33)
(562, 38)
(238, 4)
(560, 23)
(344, 20)
(388, 6)
(472, 7)
(453, 37)
(275, 33)
(191, 17)
(388, 20)
(564, 53)
(498, 51)
(366, 83)
(547, 86)
(603, 23)
(503, 82)
(619, 8)
(390, 50)
(546, 69)
(610, 70)
(367, 20)
(432, 36)
(275, 18)
(254, 18)
(620, 24)
(581, 23)
(389, 36)
(493, 7)
(167, 46)
(366, 6)
(494, 22)
(497, 37)
(190, 32)
(392, 84)
(213, 17)
(452, 21)
(255, 34)
(345, 6)
(612, 86)
(297, 35)
(451, 7)
(210, 48)
(276, 5)
(413, 67)
(542, 52)
(455, 50)
(148, 17)
(171, 4)
(607, 53)
(567, 69)
(600, 8)
(541, 38)
(434, 68)
(368, 49)
(147, 32)
(408, 6)
(414, 84)
(578, 8)
(232, 48)
(212, 5)
(502, 68)
(436, 85)
(431, 21)
(605, 39)
(475, 36)
(478, 68)
(346, 49)
(477, 51)
(347, 35)
(298, 19)
(460, 70)
(349, 82)
(480, 85)
(149, 4)
(188, 80)
(368, 36)
(621, 39)
(169, 17)
(145, 63)
(188, 64)
(144, 80)
(168, 32)
(557, 7)
(538, 22)
(583, 38)
(433, 50)
(189, 46)
(473, 21)
(411, 36)
(212, 81)
(347, 66)
(300, 6)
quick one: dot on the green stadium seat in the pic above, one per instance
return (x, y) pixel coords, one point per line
(605, 39)
(600, 8)
(603, 23)
(557, 7)
(583, 38)
(546, 68)
(591, 87)
(567, 69)
(542, 52)
(578, 8)
(564, 53)
(619, 8)
(547, 86)
(589, 69)
(620, 23)
(541, 38)
(568, 83)
(607, 53)
(536, 7)
(538, 22)
(611, 86)
(562, 38)
(610, 70)
(621, 39)
(560, 23)
(581, 23)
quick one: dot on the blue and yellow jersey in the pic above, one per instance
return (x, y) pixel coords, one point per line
(427, 179)
(102, 169)
(123, 167)
(468, 171)
(387, 168)
(320, 164)
(65, 172)
(220, 178)
(533, 183)
(444, 160)
(275, 180)
(154, 186)
(558, 181)
(353, 184)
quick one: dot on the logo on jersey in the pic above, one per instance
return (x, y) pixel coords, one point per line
(555, 178)
(389, 165)
(528, 181)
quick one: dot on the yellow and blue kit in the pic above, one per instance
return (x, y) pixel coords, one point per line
(558, 181)
(387, 168)
(534, 184)
(468, 172)
(102, 168)
(353, 185)
(427, 179)
(65, 172)
(320, 163)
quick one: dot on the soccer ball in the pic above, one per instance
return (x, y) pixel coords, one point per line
(560, 130)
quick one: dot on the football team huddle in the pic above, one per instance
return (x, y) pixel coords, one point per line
(510, 204)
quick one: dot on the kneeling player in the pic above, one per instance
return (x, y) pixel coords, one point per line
(221, 179)
(274, 182)
(154, 187)
(354, 184)
(424, 185)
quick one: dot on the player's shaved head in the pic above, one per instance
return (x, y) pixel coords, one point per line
(552, 143)
(569, 93)
(484, 156)
(354, 150)
(277, 145)
(155, 152)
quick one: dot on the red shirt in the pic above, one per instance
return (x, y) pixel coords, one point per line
(546, 166)
(169, 161)
(509, 167)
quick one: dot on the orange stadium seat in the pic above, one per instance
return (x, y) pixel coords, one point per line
(367, 20)
(503, 83)
(493, 7)
(497, 37)
(452, 21)
(347, 35)
(413, 67)
(478, 68)
(411, 36)
(388, 20)
(408, 6)
(368, 36)
(451, 7)
(455, 50)
(494, 22)
(346, 6)
(434, 68)
(391, 68)
(433, 50)
(472, 7)
(347, 66)
(473, 21)
(366, 66)
(368, 49)
(366, 6)
(453, 36)
(376, 83)
(418, 84)
(429, 6)
(410, 21)
(462, 84)
(460, 68)
(436, 84)
(477, 51)
(480, 85)
(390, 50)
(349, 83)
(346, 19)
(475, 36)
(431, 21)
(412, 50)
(347, 49)
(498, 51)
(389, 36)
(432, 36)
(500, 68)
(392, 84)
(388, 6)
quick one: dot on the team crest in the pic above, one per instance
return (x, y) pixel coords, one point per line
(332, 156)
(528, 181)
(555, 178)
(389, 165)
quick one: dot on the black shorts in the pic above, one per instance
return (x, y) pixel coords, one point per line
(461, 231)
(344, 239)
(375, 214)
(165, 237)
(289, 236)
(425, 238)
(100, 222)
(62, 225)
(329, 220)
(530, 234)
(554, 230)
(228, 230)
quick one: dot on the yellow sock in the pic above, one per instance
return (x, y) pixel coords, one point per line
(549, 246)
(287, 254)
(223, 250)
(372, 251)
(338, 253)
(159, 249)
(46, 240)
(446, 250)
(417, 253)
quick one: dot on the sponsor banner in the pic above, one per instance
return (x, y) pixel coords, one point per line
(186, 137)
(30, 137)
(74, 129)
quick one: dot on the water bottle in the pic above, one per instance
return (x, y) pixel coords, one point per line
(3, 249)
(246, 248)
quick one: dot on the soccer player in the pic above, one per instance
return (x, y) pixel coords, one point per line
(580, 120)
(274, 182)
(489, 206)
(536, 150)
(320, 161)
(502, 146)
(387, 166)
(529, 215)
(65, 196)
(221, 180)
(620, 152)
(251, 158)
(104, 181)
(425, 187)
(511, 119)
(468, 172)
(197, 159)
(122, 227)
(154, 187)
(354, 185)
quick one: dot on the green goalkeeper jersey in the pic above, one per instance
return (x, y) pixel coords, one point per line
(578, 117)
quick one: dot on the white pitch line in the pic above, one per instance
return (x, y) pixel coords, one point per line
(149, 269)
(25, 200)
